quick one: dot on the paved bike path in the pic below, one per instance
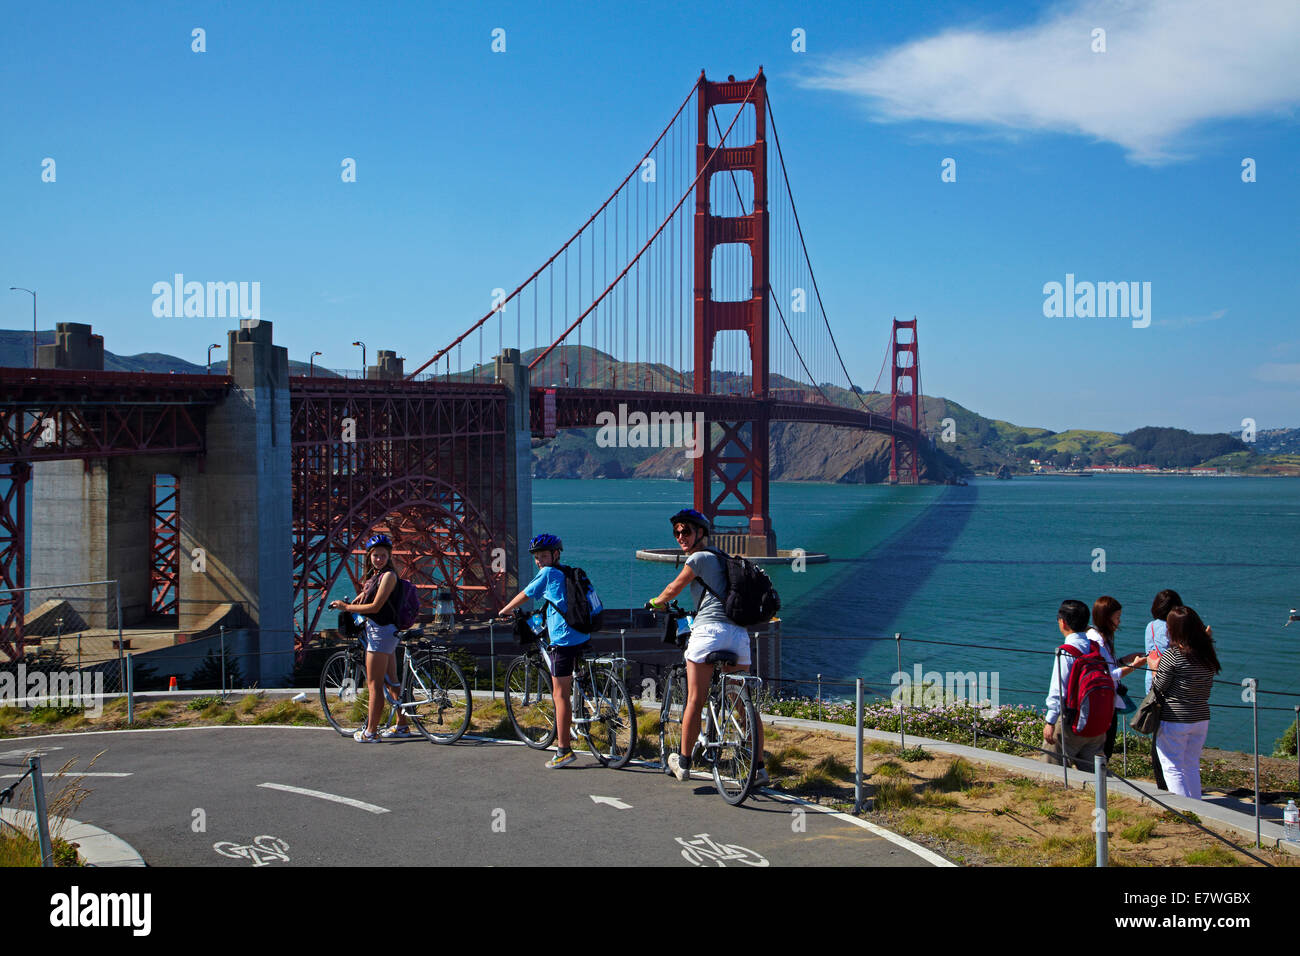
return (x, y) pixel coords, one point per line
(413, 803)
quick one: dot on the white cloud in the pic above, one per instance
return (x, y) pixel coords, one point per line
(1287, 372)
(1169, 65)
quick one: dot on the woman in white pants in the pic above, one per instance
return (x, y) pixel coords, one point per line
(1183, 680)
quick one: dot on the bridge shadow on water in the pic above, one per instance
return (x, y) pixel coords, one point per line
(868, 594)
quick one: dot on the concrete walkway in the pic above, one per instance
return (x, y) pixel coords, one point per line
(96, 845)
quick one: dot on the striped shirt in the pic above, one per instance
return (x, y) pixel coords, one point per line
(1184, 685)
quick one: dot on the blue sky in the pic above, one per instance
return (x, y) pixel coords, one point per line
(473, 166)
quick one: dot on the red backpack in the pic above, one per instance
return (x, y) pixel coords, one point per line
(1089, 693)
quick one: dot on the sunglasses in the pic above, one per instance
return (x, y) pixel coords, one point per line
(682, 533)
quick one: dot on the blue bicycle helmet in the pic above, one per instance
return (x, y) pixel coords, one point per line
(379, 541)
(691, 516)
(545, 542)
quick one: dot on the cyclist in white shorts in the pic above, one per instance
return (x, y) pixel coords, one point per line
(711, 631)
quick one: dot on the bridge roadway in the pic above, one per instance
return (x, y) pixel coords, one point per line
(413, 803)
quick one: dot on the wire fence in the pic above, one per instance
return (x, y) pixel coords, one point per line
(246, 659)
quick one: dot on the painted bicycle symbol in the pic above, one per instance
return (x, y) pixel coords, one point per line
(263, 850)
(701, 850)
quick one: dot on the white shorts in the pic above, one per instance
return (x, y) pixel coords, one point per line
(707, 638)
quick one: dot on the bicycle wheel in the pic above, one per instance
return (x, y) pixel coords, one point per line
(733, 770)
(343, 692)
(439, 700)
(672, 710)
(528, 702)
(611, 729)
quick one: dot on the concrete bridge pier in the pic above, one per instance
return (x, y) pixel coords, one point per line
(516, 487)
(236, 519)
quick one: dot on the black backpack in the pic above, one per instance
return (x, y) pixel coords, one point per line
(586, 611)
(749, 598)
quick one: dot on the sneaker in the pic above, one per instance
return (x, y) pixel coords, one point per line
(361, 736)
(396, 733)
(677, 768)
(761, 778)
(561, 760)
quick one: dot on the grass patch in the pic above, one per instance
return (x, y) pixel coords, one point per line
(894, 795)
(960, 775)
(890, 770)
(203, 703)
(940, 801)
(1048, 811)
(288, 712)
(914, 754)
(1070, 851)
(881, 747)
(157, 712)
(495, 723)
(1169, 816)
(833, 767)
(1139, 832)
(1212, 856)
(248, 703)
(812, 779)
(214, 709)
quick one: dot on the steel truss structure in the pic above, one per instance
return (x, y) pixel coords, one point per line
(423, 462)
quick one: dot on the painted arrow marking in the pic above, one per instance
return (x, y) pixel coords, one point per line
(614, 802)
(33, 752)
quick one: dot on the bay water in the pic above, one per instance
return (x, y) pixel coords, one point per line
(988, 564)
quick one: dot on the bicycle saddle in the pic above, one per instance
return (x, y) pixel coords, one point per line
(721, 657)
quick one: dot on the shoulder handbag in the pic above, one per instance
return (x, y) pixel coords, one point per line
(1147, 719)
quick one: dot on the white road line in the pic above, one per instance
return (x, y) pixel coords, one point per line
(927, 855)
(69, 774)
(321, 795)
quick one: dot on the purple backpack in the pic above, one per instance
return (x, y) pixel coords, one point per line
(408, 604)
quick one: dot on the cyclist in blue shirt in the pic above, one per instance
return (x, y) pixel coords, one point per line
(567, 644)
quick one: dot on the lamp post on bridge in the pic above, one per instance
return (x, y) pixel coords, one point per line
(311, 364)
(18, 288)
(210, 348)
(363, 357)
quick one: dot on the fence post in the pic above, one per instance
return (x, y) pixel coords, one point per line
(1254, 712)
(622, 643)
(118, 588)
(902, 705)
(1123, 729)
(42, 817)
(492, 655)
(1100, 823)
(130, 685)
(223, 662)
(857, 759)
(758, 648)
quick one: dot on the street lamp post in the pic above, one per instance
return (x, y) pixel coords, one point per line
(311, 364)
(210, 348)
(18, 288)
(363, 357)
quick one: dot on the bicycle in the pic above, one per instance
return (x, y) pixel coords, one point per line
(604, 714)
(726, 739)
(433, 692)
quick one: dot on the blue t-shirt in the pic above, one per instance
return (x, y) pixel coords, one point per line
(549, 586)
(1157, 636)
